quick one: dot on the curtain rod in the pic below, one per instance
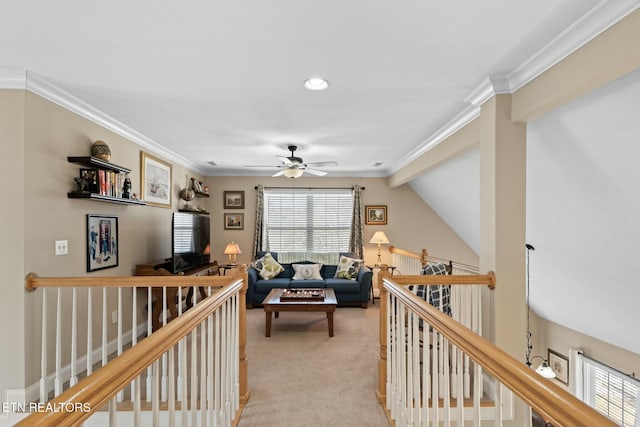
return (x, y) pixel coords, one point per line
(309, 188)
(630, 375)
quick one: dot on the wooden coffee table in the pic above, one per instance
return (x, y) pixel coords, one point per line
(272, 304)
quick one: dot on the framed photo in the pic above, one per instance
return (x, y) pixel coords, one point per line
(234, 199)
(375, 215)
(234, 221)
(155, 179)
(102, 242)
(560, 365)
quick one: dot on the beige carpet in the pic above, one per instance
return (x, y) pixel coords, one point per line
(300, 377)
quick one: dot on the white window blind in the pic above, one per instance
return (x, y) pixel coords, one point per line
(611, 392)
(308, 220)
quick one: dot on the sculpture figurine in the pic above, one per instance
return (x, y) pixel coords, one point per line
(126, 188)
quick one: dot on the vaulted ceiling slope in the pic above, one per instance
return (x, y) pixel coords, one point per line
(583, 211)
(221, 82)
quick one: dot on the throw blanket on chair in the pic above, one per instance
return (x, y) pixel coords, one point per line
(438, 296)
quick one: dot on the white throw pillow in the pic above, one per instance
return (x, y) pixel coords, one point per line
(348, 268)
(268, 267)
(307, 271)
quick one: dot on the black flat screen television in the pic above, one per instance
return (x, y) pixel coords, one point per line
(190, 246)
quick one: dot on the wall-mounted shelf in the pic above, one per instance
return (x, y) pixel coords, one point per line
(111, 189)
(96, 163)
(200, 194)
(101, 198)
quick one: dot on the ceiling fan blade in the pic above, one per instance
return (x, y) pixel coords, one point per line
(279, 173)
(287, 161)
(261, 166)
(322, 164)
(315, 172)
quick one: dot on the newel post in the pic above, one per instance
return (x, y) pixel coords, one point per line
(243, 364)
(382, 361)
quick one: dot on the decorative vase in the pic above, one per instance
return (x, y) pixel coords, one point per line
(101, 150)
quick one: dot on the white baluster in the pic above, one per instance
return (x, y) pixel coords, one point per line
(181, 356)
(104, 326)
(149, 332)
(155, 392)
(389, 326)
(172, 387)
(446, 386)
(477, 393)
(498, 403)
(402, 353)
(460, 398)
(120, 395)
(164, 356)
(113, 422)
(89, 332)
(227, 365)
(203, 375)
(194, 378)
(426, 373)
(74, 338)
(236, 351)
(210, 374)
(409, 368)
(43, 350)
(58, 376)
(435, 378)
(217, 368)
(137, 413)
(183, 383)
(134, 327)
(416, 370)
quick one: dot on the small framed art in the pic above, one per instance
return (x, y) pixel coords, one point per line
(560, 365)
(155, 176)
(234, 199)
(375, 215)
(102, 242)
(234, 221)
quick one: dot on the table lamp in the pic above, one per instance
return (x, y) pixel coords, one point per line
(379, 238)
(232, 250)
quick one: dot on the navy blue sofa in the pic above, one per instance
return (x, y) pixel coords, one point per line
(347, 291)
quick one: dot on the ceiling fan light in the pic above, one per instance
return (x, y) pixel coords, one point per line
(316, 83)
(293, 172)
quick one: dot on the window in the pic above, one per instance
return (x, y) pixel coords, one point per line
(611, 392)
(308, 220)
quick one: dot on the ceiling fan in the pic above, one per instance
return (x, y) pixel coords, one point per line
(293, 166)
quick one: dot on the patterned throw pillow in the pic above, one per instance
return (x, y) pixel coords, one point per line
(307, 271)
(438, 296)
(348, 268)
(267, 267)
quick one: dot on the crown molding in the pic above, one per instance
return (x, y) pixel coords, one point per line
(12, 78)
(40, 86)
(458, 122)
(601, 17)
(597, 20)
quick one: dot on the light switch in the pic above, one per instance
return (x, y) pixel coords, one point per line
(62, 247)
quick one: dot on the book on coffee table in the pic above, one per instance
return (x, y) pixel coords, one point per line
(302, 294)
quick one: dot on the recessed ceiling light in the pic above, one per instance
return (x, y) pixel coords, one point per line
(316, 83)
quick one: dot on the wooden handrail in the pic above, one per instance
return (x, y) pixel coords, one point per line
(32, 281)
(552, 402)
(488, 279)
(97, 389)
(424, 256)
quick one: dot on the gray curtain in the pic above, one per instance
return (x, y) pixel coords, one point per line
(356, 239)
(259, 227)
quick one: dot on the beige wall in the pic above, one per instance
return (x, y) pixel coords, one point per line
(412, 225)
(53, 133)
(12, 226)
(550, 335)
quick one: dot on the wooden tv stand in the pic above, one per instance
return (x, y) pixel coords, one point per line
(159, 268)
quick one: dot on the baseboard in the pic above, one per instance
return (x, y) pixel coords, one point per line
(32, 392)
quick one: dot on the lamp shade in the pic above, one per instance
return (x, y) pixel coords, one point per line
(545, 370)
(293, 172)
(232, 249)
(379, 238)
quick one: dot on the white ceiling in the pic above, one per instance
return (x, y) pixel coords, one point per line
(221, 82)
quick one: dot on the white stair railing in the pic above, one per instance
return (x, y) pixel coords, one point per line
(202, 387)
(419, 345)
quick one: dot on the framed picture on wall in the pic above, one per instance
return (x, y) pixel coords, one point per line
(102, 242)
(375, 215)
(234, 199)
(234, 221)
(560, 365)
(155, 181)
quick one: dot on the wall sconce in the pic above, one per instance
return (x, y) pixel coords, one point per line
(379, 238)
(232, 250)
